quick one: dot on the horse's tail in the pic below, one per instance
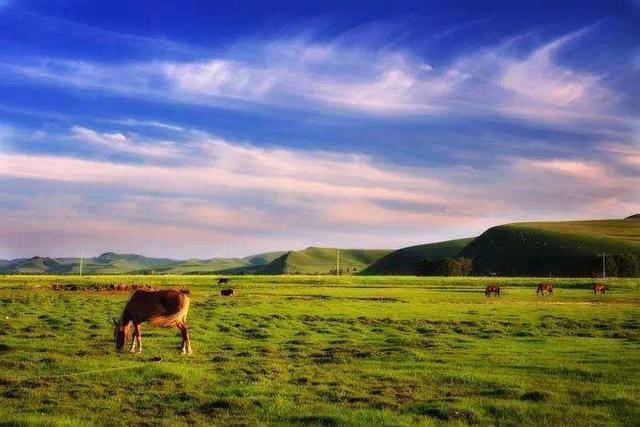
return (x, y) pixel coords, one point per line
(177, 318)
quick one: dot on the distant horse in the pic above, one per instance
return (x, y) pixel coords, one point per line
(159, 308)
(599, 287)
(226, 292)
(223, 280)
(492, 289)
(542, 287)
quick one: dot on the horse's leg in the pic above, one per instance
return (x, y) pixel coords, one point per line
(186, 331)
(138, 337)
(134, 337)
(186, 343)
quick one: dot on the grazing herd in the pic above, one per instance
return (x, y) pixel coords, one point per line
(170, 308)
(542, 288)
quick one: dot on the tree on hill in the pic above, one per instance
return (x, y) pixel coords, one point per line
(618, 265)
(611, 266)
(628, 265)
(460, 266)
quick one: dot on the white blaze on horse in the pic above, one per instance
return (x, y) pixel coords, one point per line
(158, 308)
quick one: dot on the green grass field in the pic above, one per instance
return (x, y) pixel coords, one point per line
(326, 351)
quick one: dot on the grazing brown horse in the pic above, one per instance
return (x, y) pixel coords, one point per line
(542, 287)
(599, 287)
(492, 289)
(159, 308)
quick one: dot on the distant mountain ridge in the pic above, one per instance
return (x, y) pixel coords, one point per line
(558, 248)
(113, 263)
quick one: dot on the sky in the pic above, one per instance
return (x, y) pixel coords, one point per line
(195, 129)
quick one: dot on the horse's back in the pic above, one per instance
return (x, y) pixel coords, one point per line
(164, 307)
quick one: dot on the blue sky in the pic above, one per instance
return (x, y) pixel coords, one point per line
(204, 130)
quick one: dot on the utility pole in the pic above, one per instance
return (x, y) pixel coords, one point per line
(337, 262)
(81, 254)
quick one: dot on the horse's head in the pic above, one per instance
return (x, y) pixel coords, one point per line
(118, 334)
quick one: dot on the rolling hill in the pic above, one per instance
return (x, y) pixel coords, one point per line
(405, 261)
(562, 248)
(219, 265)
(315, 260)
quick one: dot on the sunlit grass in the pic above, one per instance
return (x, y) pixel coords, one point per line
(326, 350)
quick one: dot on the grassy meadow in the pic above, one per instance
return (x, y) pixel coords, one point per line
(303, 350)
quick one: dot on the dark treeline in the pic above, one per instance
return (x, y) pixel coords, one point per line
(616, 265)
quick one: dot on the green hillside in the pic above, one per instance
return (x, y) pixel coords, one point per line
(37, 264)
(564, 248)
(405, 261)
(323, 261)
(263, 259)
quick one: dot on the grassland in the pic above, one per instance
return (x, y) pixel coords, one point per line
(303, 350)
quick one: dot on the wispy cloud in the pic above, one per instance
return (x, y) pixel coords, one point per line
(574, 168)
(144, 123)
(232, 168)
(338, 76)
(126, 143)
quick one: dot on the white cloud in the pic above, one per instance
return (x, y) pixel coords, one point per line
(574, 168)
(549, 91)
(120, 142)
(624, 154)
(330, 179)
(348, 77)
(144, 123)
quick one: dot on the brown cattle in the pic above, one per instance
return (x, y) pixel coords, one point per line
(223, 280)
(158, 308)
(599, 287)
(226, 292)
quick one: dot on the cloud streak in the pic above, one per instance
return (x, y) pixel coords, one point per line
(346, 77)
